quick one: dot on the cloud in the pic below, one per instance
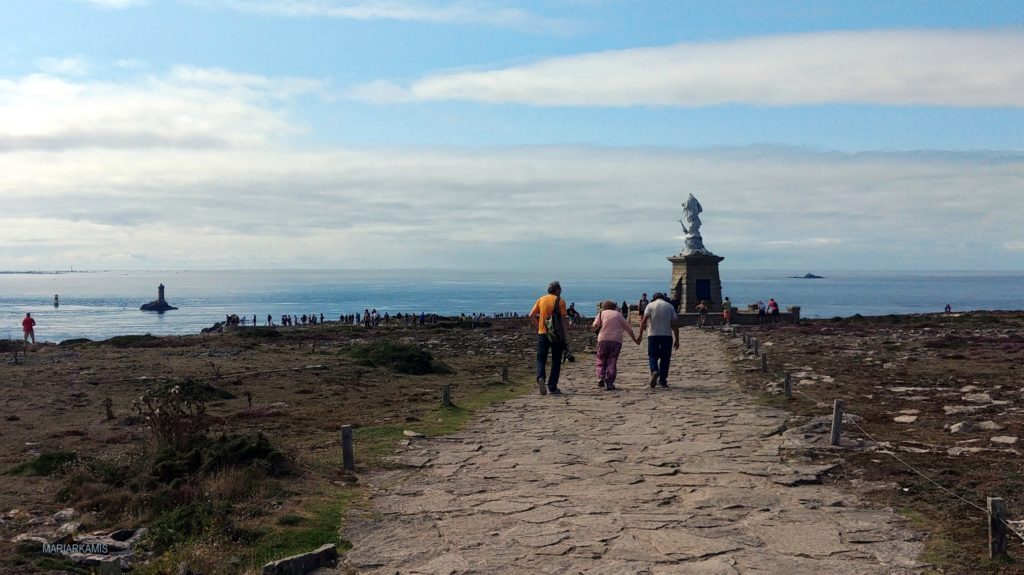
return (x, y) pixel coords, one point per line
(497, 208)
(487, 13)
(885, 67)
(64, 66)
(188, 107)
(206, 168)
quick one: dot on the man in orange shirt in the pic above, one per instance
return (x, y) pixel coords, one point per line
(28, 326)
(544, 308)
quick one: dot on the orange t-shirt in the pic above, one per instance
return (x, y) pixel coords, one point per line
(544, 306)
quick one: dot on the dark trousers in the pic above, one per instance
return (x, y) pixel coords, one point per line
(659, 352)
(557, 350)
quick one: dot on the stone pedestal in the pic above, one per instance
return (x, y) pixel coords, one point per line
(694, 273)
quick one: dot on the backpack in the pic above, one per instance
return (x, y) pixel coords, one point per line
(554, 324)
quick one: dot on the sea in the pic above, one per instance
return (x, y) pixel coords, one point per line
(101, 304)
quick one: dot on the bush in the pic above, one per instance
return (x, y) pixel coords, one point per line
(147, 340)
(177, 412)
(208, 456)
(74, 342)
(258, 333)
(45, 464)
(399, 357)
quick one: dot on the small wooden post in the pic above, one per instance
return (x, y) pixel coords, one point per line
(504, 373)
(764, 362)
(837, 421)
(746, 340)
(446, 395)
(997, 536)
(15, 358)
(757, 347)
(787, 386)
(347, 455)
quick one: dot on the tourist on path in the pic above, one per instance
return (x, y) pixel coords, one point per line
(28, 326)
(609, 325)
(702, 313)
(727, 311)
(549, 306)
(762, 311)
(642, 305)
(661, 323)
(625, 309)
(773, 310)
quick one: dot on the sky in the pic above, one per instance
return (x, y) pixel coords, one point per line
(514, 135)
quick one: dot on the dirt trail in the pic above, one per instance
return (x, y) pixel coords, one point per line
(640, 480)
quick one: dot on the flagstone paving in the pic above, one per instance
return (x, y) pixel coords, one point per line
(636, 481)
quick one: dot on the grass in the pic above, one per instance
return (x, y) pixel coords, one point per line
(318, 524)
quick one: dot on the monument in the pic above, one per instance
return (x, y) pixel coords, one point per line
(159, 304)
(695, 269)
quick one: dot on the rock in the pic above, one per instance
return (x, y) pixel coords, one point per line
(962, 427)
(71, 527)
(64, 515)
(416, 434)
(961, 409)
(304, 562)
(1004, 439)
(989, 426)
(905, 418)
(977, 398)
(910, 411)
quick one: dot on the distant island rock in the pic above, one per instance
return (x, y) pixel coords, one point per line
(808, 277)
(159, 304)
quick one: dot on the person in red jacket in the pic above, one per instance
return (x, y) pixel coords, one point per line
(28, 326)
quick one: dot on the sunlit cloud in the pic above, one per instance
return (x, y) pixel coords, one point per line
(892, 67)
(189, 107)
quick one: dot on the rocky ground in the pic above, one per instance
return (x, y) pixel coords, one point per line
(941, 393)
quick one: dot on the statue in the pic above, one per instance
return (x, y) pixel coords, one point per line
(694, 243)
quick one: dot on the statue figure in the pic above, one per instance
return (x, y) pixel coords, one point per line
(694, 243)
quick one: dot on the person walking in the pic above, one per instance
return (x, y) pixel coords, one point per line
(642, 305)
(727, 311)
(609, 325)
(548, 315)
(702, 313)
(661, 323)
(28, 326)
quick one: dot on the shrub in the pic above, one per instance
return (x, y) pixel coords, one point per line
(147, 340)
(176, 413)
(45, 464)
(399, 357)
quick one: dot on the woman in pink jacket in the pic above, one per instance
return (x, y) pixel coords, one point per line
(610, 325)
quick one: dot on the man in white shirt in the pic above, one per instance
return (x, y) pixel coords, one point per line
(661, 322)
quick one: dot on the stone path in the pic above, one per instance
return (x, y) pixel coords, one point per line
(641, 481)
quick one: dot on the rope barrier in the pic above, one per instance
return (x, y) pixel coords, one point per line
(910, 467)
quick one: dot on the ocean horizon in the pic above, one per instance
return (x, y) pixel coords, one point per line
(102, 304)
